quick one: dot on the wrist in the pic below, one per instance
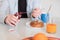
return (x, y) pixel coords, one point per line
(5, 20)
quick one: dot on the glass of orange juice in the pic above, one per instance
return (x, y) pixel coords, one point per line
(51, 27)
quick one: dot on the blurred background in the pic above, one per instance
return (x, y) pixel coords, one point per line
(55, 9)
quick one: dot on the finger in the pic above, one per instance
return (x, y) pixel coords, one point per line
(38, 12)
(33, 11)
(12, 22)
(13, 19)
(19, 16)
(35, 14)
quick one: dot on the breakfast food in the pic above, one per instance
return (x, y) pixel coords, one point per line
(40, 36)
(37, 24)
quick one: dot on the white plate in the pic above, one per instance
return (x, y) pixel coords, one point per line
(29, 26)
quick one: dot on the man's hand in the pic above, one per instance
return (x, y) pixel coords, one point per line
(11, 20)
(36, 12)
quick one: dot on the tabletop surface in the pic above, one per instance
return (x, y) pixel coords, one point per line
(24, 31)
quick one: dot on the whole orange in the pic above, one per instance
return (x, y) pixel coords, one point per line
(40, 36)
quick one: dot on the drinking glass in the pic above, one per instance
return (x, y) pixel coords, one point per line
(14, 30)
(18, 15)
(51, 26)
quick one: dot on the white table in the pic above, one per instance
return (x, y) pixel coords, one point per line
(25, 31)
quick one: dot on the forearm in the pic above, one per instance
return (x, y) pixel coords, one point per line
(3, 10)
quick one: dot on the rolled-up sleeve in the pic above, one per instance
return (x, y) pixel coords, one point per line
(3, 10)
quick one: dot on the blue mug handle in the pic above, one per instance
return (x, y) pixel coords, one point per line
(45, 18)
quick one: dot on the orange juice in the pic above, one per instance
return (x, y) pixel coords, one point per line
(51, 28)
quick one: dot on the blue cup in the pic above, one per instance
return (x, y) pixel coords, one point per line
(45, 17)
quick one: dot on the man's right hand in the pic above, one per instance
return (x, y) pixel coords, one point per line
(11, 20)
(36, 12)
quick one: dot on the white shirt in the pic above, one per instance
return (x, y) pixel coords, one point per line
(32, 4)
(12, 5)
(7, 7)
